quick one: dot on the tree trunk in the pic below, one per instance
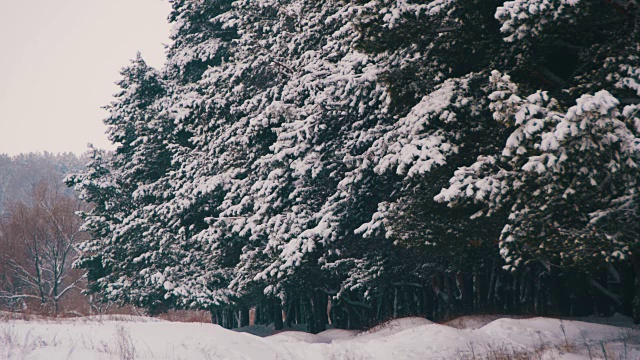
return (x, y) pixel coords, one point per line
(214, 317)
(277, 315)
(290, 313)
(635, 261)
(323, 316)
(244, 316)
(395, 303)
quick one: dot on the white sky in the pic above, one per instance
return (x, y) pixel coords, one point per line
(59, 60)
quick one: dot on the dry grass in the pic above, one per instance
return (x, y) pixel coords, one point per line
(128, 313)
(619, 346)
(124, 347)
(13, 346)
(186, 316)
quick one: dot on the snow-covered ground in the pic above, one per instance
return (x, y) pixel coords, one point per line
(410, 338)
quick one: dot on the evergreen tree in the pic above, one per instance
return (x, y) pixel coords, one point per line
(290, 151)
(122, 184)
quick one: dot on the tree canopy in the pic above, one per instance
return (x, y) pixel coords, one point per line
(389, 157)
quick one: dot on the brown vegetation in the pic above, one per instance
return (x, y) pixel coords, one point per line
(38, 239)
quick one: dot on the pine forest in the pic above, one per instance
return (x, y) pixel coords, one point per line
(346, 162)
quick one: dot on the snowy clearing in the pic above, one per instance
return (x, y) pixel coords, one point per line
(409, 338)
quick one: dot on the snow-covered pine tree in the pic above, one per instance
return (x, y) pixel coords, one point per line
(302, 144)
(436, 122)
(297, 103)
(97, 185)
(189, 269)
(330, 91)
(119, 182)
(572, 152)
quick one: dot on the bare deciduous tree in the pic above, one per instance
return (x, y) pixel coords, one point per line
(38, 241)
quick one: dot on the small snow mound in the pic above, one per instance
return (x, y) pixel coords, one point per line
(296, 336)
(401, 324)
(395, 326)
(529, 332)
(332, 335)
(325, 337)
(473, 322)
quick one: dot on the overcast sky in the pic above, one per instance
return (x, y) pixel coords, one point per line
(59, 60)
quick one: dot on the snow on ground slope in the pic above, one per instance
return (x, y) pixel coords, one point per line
(410, 338)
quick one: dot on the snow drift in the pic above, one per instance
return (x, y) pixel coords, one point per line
(409, 338)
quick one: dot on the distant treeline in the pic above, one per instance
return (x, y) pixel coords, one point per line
(20, 173)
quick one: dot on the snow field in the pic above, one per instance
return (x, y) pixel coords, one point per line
(409, 338)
